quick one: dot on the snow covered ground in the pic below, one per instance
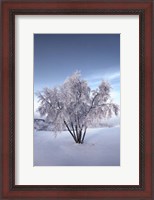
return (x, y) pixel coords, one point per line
(101, 148)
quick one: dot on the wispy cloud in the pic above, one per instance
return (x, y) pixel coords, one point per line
(95, 79)
(114, 76)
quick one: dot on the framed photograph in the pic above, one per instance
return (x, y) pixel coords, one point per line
(77, 99)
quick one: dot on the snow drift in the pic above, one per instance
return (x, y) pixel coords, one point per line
(101, 148)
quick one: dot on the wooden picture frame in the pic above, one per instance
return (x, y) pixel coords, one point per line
(12, 8)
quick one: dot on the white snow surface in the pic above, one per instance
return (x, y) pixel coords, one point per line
(100, 148)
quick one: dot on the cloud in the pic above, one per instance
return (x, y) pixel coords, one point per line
(95, 79)
(114, 76)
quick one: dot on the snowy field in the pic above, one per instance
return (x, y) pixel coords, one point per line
(100, 148)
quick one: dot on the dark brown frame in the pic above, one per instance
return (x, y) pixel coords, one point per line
(12, 8)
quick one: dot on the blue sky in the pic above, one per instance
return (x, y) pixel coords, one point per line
(96, 56)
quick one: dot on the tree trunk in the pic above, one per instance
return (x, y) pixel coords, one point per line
(77, 134)
(74, 137)
(82, 140)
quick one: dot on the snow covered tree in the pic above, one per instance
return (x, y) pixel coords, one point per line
(74, 106)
